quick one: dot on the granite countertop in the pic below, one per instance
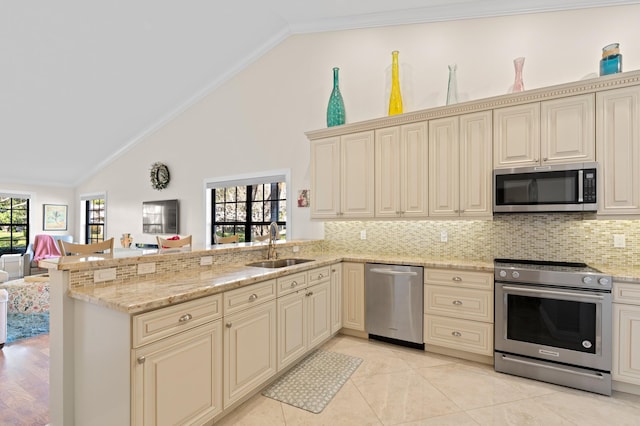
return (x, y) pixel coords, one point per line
(165, 290)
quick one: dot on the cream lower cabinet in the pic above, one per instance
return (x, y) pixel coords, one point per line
(342, 177)
(336, 297)
(249, 339)
(177, 364)
(304, 314)
(401, 158)
(353, 296)
(458, 309)
(626, 333)
(548, 132)
(618, 137)
(460, 168)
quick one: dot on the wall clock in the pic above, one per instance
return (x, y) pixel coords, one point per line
(159, 176)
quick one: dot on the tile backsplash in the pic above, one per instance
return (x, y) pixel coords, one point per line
(563, 237)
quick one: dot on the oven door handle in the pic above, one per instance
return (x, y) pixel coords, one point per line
(553, 292)
(550, 367)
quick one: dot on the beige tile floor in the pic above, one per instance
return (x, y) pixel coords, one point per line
(401, 386)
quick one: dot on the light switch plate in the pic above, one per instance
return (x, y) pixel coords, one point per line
(102, 275)
(206, 260)
(444, 237)
(619, 241)
(146, 268)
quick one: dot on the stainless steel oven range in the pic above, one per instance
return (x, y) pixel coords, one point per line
(553, 323)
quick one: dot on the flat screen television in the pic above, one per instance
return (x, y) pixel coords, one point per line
(160, 217)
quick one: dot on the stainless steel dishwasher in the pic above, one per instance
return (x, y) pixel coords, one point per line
(394, 303)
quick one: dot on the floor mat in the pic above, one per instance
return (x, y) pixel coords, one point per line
(22, 326)
(313, 382)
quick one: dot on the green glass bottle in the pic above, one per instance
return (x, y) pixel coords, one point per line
(335, 109)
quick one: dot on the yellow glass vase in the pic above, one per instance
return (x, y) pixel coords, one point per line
(395, 100)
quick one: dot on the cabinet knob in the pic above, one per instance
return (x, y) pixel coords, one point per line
(253, 297)
(457, 302)
(456, 333)
(185, 318)
(228, 325)
(309, 294)
(457, 279)
(294, 284)
(141, 360)
(545, 159)
(320, 276)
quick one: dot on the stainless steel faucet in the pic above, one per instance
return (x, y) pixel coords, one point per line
(274, 232)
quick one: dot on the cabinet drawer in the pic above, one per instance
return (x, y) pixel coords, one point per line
(459, 303)
(463, 335)
(251, 295)
(628, 293)
(291, 283)
(457, 278)
(161, 323)
(318, 275)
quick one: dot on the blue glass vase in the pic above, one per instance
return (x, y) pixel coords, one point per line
(335, 109)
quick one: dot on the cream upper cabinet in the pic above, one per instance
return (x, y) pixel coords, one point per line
(401, 155)
(516, 136)
(460, 168)
(549, 132)
(626, 333)
(618, 136)
(567, 132)
(353, 296)
(342, 176)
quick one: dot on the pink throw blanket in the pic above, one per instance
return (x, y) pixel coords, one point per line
(44, 247)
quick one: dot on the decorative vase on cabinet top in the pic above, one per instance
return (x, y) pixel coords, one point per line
(335, 109)
(518, 84)
(452, 87)
(395, 100)
(611, 61)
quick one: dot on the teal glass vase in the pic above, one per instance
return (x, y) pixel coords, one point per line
(335, 109)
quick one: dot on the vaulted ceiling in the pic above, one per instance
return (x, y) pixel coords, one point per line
(81, 81)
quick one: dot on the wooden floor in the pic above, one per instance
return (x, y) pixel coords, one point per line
(24, 382)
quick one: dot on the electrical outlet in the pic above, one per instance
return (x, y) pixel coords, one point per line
(619, 241)
(444, 237)
(295, 249)
(206, 260)
(363, 234)
(146, 268)
(102, 275)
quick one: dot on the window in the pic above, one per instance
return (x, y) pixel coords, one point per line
(248, 210)
(14, 223)
(94, 220)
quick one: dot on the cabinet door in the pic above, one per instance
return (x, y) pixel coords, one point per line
(444, 167)
(618, 146)
(357, 175)
(292, 326)
(318, 313)
(387, 172)
(626, 343)
(476, 165)
(168, 389)
(325, 178)
(568, 130)
(414, 157)
(353, 296)
(516, 136)
(336, 297)
(250, 350)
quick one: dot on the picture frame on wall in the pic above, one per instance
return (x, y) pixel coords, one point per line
(54, 217)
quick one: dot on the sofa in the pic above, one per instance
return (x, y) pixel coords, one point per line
(30, 266)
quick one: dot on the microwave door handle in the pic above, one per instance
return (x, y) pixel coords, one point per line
(581, 186)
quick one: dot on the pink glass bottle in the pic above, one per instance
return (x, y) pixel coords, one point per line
(518, 84)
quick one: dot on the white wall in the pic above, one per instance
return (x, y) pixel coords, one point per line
(44, 195)
(256, 121)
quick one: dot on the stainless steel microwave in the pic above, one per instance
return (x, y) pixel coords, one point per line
(556, 188)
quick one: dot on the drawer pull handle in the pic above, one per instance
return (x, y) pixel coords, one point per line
(456, 333)
(294, 284)
(309, 294)
(141, 360)
(253, 297)
(457, 302)
(456, 279)
(228, 325)
(185, 318)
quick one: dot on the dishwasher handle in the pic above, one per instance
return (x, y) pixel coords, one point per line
(384, 271)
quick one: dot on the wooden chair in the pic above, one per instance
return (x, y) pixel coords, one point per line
(230, 239)
(259, 238)
(69, 249)
(172, 244)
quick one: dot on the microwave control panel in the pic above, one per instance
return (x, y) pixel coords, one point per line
(589, 185)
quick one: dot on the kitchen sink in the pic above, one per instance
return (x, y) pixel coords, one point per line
(278, 263)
